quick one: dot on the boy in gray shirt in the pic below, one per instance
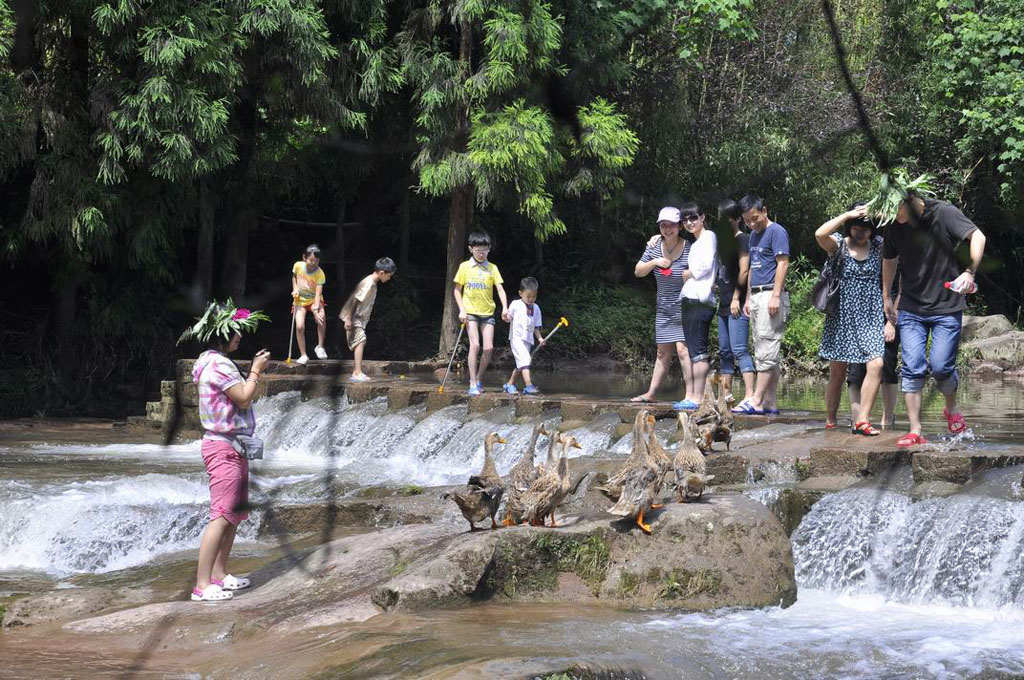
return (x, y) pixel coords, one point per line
(355, 314)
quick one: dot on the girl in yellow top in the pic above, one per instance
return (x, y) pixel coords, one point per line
(475, 282)
(308, 294)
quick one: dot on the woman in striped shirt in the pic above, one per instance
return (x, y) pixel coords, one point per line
(666, 256)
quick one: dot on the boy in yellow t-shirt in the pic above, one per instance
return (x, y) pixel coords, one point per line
(308, 294)
(475, 282)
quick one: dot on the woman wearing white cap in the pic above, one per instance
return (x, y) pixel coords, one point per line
(666, 256)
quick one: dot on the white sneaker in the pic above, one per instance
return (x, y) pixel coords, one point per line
(303, 360)
(320, 352)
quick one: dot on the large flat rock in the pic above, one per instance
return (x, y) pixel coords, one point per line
(725, 551)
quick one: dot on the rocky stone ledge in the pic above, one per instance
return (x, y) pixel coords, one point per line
(726, 551)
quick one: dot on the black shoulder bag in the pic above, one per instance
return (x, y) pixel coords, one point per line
(825, 294)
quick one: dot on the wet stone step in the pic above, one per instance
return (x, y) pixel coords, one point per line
(957, 467)
(329, 367)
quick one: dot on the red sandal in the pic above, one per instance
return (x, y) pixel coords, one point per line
(830, 426)
(955, 422)
(911, 439)
(865, 428)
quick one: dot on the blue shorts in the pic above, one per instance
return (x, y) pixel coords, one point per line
(480, 319)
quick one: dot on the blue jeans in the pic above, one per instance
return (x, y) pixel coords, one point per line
(697, 327)
(941, 360)
(733, 335)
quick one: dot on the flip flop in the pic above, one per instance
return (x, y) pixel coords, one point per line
(830, 426)
(745, 408)
(771, 412)
(641, 400)
(911, 439)
(955, 422)
(686, 405)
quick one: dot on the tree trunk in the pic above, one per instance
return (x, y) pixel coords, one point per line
(339, 248)
(458, 219)
(67, 349)
(25, 50)
(246, 205)
(459, 208)
(204, 244)
(403, 225)
(236, 253)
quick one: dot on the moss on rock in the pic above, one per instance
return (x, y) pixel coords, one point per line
(532, 564)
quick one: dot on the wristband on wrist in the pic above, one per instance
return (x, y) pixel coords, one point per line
(971, 271)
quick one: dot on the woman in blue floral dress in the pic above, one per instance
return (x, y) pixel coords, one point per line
(856, 332)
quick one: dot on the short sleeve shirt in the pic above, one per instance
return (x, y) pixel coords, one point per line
(478, 281)
(669, 281)
(927, 261)
(307, 281)
(360, 302)
(214, 373)
(524, 321)
(730, 249)
(765, 246)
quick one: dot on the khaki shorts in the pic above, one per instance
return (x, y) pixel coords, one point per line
(355, 337)
(767, 330)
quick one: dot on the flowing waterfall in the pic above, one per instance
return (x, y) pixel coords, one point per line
(963, 550)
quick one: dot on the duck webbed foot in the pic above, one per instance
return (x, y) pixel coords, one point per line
(646, 528)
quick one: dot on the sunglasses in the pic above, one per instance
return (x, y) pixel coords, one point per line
(691, 218)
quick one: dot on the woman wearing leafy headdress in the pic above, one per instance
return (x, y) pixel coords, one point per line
(922, 238)
(225, 412)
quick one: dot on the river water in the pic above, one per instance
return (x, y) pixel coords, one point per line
(889, 586)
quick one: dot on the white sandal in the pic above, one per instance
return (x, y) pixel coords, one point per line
(211, 593)
(230, 582)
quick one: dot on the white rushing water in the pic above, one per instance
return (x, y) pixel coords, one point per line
(889, 586)
(98, 508)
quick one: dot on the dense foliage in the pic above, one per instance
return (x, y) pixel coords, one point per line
(154, 154)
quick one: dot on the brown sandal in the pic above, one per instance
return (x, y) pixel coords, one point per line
(865, 428)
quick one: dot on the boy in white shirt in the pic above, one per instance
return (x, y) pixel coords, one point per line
(525, 322)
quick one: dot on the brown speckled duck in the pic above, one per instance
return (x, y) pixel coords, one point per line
(482, 496)
(612, 488)
(549, 490)
(723, 432)
(643, 486)
(488, 475)
(519, 479)
(690, 468)
(705, 419)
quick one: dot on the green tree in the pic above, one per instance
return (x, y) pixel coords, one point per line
(976, 60)
(488, 136)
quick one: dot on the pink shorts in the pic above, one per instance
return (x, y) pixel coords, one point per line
(229, 481)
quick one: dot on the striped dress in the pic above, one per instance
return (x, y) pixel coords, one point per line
(668, 320)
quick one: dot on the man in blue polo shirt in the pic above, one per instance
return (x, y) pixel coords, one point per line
(767, 302)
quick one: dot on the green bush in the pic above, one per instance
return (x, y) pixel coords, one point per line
(802, 340)
(615, 320)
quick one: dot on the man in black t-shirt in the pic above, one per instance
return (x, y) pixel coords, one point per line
(923, 241)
